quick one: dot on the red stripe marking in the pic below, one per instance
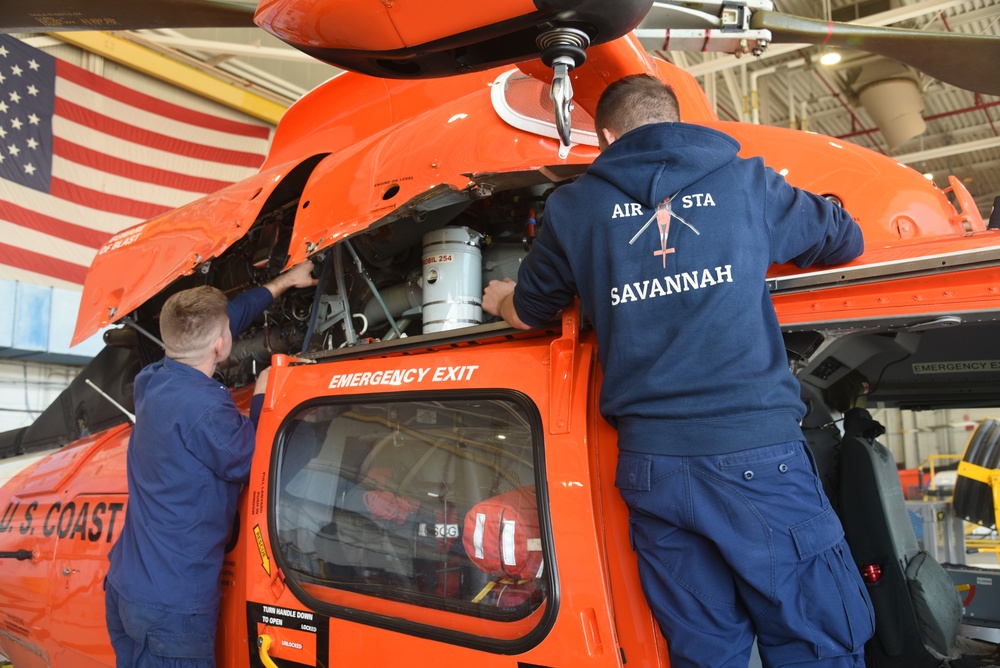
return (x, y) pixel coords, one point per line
(78, 234)
(42, 264)
(115, 128)
(104, 202)
(132, 170)
(154, 105)
(829, 32)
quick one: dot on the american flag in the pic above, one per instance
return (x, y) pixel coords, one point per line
(83, 157)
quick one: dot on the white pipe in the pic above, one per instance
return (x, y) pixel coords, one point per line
(881, 19)
(943, 151)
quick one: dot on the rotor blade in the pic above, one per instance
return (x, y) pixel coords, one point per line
(60, 15)
(966, 61)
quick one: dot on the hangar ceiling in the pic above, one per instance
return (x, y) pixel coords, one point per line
(961, 133)
(934, 127)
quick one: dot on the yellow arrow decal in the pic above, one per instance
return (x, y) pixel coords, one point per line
(264, 560)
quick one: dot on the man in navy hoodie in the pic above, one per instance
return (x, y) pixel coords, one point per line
(188, 457)
(667, 239)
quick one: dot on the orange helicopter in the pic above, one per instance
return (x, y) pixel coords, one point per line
(411, 182)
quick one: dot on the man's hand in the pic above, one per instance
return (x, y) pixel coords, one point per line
(261, 384)
(498, 300)
(495, 293)
(299, 276)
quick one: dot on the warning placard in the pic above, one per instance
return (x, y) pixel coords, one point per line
(961, 366)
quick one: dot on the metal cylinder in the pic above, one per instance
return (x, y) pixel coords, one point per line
(398, 299)
(452, 279)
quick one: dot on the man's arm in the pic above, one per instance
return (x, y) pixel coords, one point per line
(257, 401)
(299, 276)
(498, 299)
(246, 307)
(807, 229)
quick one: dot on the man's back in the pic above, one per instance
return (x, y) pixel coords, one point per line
(667, 240)
(189, 452)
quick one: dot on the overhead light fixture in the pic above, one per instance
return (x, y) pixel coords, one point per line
(830, 57)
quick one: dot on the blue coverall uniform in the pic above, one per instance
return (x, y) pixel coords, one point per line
(188, 456)
(667, 239)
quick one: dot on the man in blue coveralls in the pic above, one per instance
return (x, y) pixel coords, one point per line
(667, 239)
(188, 456)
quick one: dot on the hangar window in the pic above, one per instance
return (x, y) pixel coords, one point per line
(418, 502)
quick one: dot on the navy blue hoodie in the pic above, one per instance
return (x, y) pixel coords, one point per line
(693, 359)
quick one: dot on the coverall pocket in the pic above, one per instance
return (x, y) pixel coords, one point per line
(186, 646)
(758, 456)
(840, 618)
(634, 473)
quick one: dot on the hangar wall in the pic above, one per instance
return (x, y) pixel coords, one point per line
(27, 388)
(914, 436)
(38, 309)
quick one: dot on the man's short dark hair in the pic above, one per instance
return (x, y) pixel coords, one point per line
(191, 320)
(633, 101)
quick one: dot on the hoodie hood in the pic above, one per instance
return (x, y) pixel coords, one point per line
(655, 161)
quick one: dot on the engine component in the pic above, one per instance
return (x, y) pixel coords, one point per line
(452, 279)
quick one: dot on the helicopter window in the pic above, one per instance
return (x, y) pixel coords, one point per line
(523, 102)
(428, 503)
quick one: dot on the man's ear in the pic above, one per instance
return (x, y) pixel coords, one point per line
(217, 348)
(609, 136)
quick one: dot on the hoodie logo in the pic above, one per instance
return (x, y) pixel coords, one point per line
(664, 212)
(627, 210)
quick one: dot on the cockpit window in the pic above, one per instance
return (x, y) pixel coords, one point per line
(425, 502)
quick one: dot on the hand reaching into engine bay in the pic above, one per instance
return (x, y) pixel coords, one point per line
(299, 276)
(498, 299)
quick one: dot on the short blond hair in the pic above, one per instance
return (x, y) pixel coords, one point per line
(191, 320)
(634, 101)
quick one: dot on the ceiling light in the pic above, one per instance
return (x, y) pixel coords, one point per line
(830, 58)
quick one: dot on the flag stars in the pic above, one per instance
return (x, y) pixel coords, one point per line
(33, 90)
(3, 107)
(3, 51)
(29, 169)
(13, 149)
(16, 70)
(14, 97)
(33, 65)
(33, 119)
(16, 124)
(32, 143)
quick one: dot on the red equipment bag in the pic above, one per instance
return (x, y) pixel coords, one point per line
(502, 537)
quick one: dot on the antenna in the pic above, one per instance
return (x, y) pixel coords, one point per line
(130, 416)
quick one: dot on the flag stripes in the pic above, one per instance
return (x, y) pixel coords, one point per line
(83, 157)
